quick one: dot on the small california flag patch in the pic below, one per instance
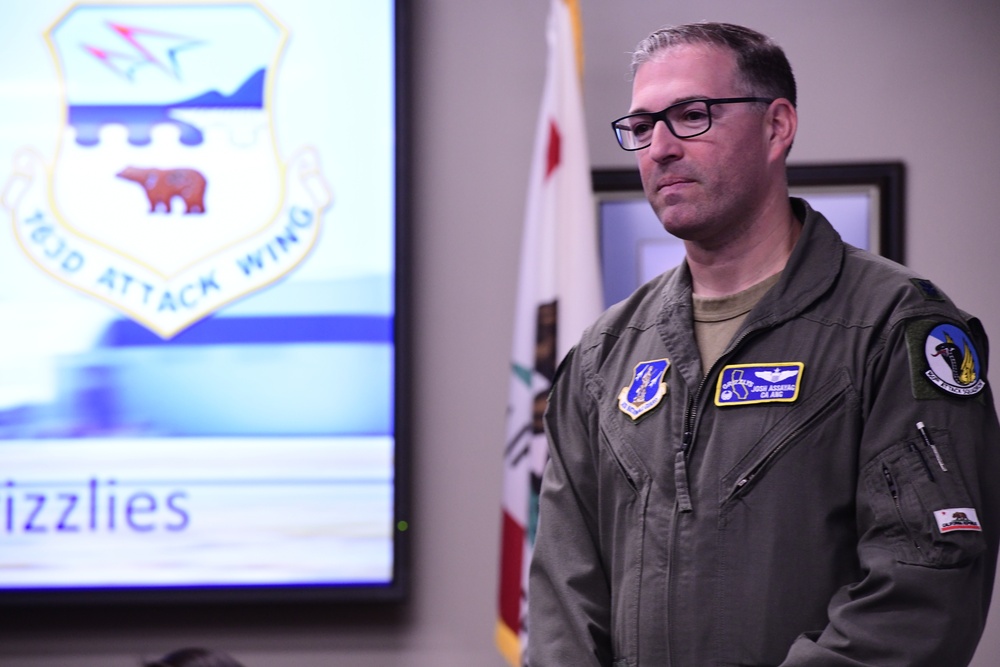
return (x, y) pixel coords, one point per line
(647, 389)
(957, 518)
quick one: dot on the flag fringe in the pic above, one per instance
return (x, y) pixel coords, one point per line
(508, 645)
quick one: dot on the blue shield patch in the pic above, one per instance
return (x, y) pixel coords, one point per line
(744, 384)
(647, 389)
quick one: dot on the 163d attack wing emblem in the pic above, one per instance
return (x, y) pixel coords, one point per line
(167, 197)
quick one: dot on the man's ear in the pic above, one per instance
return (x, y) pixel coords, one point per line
(782, 122)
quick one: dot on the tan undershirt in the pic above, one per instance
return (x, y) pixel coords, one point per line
(718, 318)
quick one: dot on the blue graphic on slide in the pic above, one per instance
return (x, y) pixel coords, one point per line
(88, 119)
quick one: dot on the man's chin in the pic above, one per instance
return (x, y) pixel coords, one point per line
(683, 225)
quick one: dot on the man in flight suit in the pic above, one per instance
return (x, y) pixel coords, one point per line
(783, 451)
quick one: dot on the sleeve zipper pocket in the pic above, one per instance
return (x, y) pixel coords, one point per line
(894, 492)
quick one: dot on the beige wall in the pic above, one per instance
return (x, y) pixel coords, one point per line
(910, 80)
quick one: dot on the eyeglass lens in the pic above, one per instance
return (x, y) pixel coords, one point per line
(687, 119)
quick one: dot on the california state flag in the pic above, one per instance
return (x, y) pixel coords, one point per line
(559, 294)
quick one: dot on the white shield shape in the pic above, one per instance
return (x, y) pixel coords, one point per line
(168, 197)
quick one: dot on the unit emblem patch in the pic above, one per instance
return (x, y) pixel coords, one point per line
(646, 390)
(743, 384)
(952, 360)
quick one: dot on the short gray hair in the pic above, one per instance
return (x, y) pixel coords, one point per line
(761, 64)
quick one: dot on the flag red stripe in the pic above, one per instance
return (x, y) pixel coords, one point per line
(554, 149)
(511, 558)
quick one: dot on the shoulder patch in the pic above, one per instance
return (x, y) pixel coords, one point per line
(943, 355)
(646, 389)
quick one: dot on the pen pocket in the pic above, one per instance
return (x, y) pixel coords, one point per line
(907, 487)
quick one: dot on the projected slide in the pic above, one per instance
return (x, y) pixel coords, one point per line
(197, 270)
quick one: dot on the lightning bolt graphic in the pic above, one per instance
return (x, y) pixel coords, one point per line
(143, 53)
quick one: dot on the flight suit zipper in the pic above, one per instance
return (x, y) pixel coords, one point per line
(681, 486)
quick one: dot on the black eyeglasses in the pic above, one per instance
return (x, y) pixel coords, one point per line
(684, 120)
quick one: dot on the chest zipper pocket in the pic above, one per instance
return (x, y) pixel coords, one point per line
(630, 478)
(817, 409)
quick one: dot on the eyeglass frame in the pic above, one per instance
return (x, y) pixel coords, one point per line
(657, 116)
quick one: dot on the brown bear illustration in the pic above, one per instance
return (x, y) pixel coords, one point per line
(162, 185)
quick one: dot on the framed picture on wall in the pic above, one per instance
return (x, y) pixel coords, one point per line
(864, 202)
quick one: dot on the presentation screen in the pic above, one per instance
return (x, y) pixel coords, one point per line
(198, 269)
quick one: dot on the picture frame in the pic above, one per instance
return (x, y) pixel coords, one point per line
(864, 202)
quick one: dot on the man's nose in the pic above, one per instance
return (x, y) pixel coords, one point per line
(664, 145)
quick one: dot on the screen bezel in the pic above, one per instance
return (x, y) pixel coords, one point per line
(18, 603)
